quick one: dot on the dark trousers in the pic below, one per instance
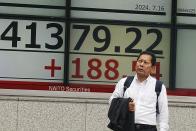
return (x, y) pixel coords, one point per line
(142, 127)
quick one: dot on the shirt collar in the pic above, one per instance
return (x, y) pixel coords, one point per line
(145, 81)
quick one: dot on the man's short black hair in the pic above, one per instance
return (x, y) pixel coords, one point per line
(153, 60)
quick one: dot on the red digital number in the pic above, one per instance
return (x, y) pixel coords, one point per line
(77, 73)
(94, 71)
(111, 69)
(94, 65)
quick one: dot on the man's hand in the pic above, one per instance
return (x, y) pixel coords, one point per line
(131, 105)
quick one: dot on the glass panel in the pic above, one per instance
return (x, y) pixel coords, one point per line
(143, 10)
(185, 62)
(31, 51)
(102, 54)
(186, 12)
(37, 2)
(35, 7)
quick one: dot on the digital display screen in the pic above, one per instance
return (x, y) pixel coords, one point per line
(34, 8)
(101, 54)
(32, 53)
(186, 12)
(132, 10)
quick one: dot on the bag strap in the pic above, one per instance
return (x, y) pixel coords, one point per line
(127, 83)
(158, 88)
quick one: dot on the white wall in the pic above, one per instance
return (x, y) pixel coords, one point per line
(78, 114)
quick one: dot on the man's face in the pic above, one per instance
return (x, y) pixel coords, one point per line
(144, 66)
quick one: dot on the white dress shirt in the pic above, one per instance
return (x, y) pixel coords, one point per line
(145, 99)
